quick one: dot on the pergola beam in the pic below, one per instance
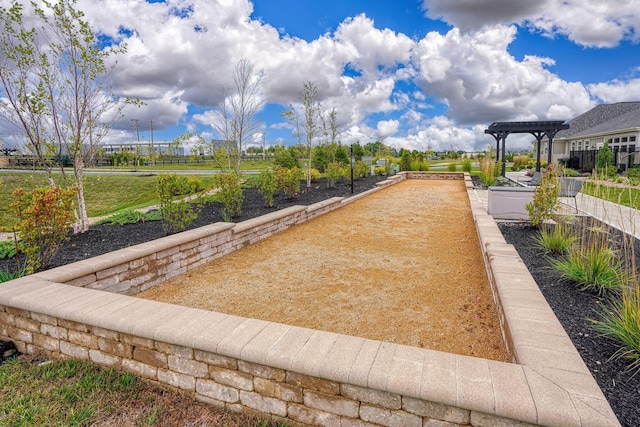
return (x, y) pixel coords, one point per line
(539, 129)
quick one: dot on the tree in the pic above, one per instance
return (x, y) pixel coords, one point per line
(405, 161)
(330, 126)
(320, 159)
(286, 157)
(53, 87)
(342, 156)
(310, 115)
(430, 153)
(605, 157)
(358, 151)
(234, 120)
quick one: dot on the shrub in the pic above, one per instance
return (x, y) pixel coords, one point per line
(287, 158)
(594, 267)
(7, 275)
(315, 174)
(334, 173)
(175, 215)
(194, 184)
(361, 169)
(621, 322)
(556, 238)
(229, 193)
(633, 173)
(520, 161)
(424, 166)
(571, 173)
(7, 249)
(497, 170)
(44, 218)
(466, 165)
(451, 167)
(405, 161)
(487, 167)
(289, 180)
(268, 186)
(545, 198)
(380, 170)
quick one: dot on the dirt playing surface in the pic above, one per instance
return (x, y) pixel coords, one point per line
(402, 265)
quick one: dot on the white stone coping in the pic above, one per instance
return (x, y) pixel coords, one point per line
(548, 384)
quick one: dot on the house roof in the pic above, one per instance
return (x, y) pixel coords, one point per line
(603, 118)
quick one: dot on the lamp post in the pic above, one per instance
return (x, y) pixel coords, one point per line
(352, 161)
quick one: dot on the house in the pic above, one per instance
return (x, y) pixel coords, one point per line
(618, 123)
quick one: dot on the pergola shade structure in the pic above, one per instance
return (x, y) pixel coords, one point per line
(500, 131)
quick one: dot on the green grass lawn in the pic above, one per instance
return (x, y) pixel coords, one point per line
(105, 194)
(77, 393)
(247, 165)
(628, 196)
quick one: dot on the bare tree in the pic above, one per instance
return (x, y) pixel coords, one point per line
(310, 117)
(333, 125)
(234, 119)
(52, 78)
(329, 122)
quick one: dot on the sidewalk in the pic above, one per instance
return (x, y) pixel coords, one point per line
(618, 216)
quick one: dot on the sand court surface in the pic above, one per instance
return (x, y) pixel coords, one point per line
(402, 265)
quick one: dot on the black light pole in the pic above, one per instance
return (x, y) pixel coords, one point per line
(352, 168)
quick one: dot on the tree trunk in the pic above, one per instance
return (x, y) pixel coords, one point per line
(82, 223)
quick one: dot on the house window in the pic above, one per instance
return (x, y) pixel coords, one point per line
(624, 139)
(616, 140)
(586, 145)
(573, 146)
(632, 139)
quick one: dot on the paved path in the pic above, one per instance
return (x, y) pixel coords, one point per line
(618, 216)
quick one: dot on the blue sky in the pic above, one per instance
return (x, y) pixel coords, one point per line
(419, 73)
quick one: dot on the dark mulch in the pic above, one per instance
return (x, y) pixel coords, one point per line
(575, 309)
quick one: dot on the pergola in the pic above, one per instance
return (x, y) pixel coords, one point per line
(500, 131)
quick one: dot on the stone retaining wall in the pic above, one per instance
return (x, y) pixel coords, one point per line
(308, 376)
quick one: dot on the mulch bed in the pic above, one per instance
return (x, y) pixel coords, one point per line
(574, 308)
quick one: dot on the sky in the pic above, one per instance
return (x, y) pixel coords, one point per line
(417, 74)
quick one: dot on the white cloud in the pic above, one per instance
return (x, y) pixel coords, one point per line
(180, 52)
(481, 82)
(616, 91)
(387, 128)
(371, 48)
(472, 73)
(440, 134)
(476, 14)
(593, 23)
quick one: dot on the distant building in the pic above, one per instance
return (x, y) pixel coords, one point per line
(143, 148)
(618, 123)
